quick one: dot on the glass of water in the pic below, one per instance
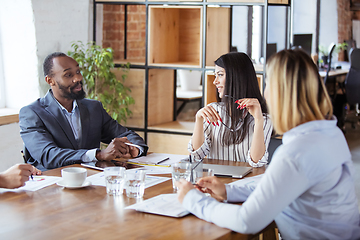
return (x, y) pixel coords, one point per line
(135, 183)
(205, 172)
(114, 179)
(180, 170)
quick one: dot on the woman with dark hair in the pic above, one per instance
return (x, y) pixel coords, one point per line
(308, 189)
(237, 128)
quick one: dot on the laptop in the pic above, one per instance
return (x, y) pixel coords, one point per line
(229, 171)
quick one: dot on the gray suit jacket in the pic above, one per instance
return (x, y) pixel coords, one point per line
(50, 141)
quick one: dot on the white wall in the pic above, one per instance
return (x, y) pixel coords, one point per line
(57, 24)
(10, 146)
(18, 53)
(277, 26)
(305, 19)
(328, 22)
(29, 31)
(239, 28)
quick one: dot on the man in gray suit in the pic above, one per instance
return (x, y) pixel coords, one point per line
(64, 128)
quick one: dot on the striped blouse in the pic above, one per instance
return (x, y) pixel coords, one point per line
(212, 147)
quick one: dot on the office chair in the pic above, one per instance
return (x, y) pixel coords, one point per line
(329, 63)
(25, 153)
(275, 142)
(352, 81)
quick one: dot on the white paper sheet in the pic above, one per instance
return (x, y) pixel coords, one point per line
(99, 179)
(35, 184)
(154, 170)
(164, 204)
(155, 158)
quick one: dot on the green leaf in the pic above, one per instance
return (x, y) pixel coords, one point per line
(100, 82)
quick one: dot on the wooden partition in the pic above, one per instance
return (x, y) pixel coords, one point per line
(217, 33)
(135, 80)
(260, 82)
(210, 89)
(161, 96)
(168, 143)
(278, 1)
(175, 36)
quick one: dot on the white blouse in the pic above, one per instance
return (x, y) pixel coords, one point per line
(212, 147)
(308, 189)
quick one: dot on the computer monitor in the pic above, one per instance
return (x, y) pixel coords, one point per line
(303, 41)
(271, 48)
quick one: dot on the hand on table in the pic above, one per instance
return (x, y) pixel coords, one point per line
(17, 175)
(209, 114)
(117, 149)
(184, 187)
(213, 186)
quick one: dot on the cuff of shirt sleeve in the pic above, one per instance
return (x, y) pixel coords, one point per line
(263, 161)
(191, 197)
(89, 156)
(200, 153)
(141, 150)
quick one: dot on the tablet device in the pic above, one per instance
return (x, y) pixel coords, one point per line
(100, 165)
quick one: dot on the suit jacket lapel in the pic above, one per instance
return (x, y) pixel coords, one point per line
(85, 122)
(53, 108)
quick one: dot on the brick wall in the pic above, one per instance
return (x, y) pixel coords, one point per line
(344, 23)
(113, 30)
(345, 17)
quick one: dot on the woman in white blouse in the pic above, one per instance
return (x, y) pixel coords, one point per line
(237, 128)
(308, 188)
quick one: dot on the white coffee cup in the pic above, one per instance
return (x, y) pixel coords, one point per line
(73, 176)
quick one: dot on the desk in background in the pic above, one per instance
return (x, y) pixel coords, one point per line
(334, 73)
(89, 213)
(185, 96)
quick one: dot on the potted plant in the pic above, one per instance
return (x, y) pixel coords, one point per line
(325, 51)
(96, 65)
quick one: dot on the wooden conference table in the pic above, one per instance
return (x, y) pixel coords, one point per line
(89, 213)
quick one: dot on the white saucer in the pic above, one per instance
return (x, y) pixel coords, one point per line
(85, 184)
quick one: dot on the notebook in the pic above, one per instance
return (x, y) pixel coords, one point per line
(163, 204)
(229, 171)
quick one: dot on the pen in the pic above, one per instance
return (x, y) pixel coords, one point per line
(131, 144)
(22, 153)
(146, 164)
(163, 160)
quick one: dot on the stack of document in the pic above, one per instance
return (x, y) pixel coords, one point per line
(164, 204)
(158, 159)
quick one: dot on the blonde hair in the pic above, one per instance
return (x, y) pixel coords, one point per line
(297, 93)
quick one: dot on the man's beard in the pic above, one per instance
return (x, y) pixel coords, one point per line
(71, 95)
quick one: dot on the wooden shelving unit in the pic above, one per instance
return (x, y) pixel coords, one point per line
(175, 36)
(180, 34)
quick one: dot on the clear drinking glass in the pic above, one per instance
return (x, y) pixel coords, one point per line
(206, 172)
(114, 179)
(180, 170)
(135, 184)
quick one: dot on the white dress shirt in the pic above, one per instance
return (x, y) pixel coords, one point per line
(308, 190)
(74, 120)
(212, 147)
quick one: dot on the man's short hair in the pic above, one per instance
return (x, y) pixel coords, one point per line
(48, 62)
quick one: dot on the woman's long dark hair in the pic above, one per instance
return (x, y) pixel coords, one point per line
(241, 82)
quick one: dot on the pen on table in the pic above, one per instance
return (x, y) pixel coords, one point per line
(22, 153)
(165, 159)
(146, 164)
